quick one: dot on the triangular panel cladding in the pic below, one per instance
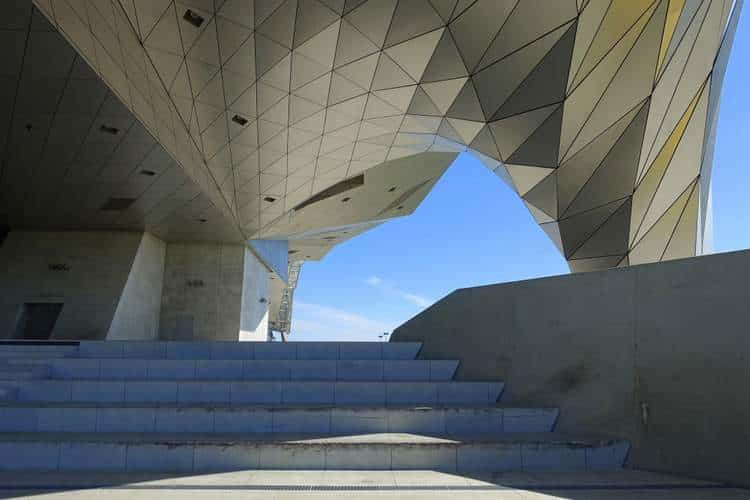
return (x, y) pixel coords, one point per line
(466, 106)
(544, 196)
(513, 131)
(614, 178)
(446, 61)
(280, 99)
(472, 31)
(497, 82)
(525, 178)
(611, 238)
(545, 84)
(421, 104)
(582, 98)
(683, 240)
(528, 21)
(540, 149)
(411, 19)
(630, 85)
(576, 171)
(656, 239)
(579, 228)
(312, 18)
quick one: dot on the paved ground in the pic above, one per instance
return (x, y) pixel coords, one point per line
(358, 484)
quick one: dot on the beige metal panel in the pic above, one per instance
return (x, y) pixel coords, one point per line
(266, 105)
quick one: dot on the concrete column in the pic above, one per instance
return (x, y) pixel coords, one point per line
(255, 299)
(201, 298)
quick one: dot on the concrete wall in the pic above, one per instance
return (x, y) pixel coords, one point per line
(255, 299)
(137, 313)
(202, 293)
(133, 286)
(93, 269)
(672, 338)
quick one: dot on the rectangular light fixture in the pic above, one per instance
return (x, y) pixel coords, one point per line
(239, 120)
(193, 18)
(109, 130)
(117, 204)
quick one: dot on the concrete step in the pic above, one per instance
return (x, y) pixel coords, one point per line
(188, 369)
(8, 393)
(250, 350)
(10, 370)
(17, 375)
(260, 392)
(259, 419)
(39, 352)
(254, 484)
(203, 453)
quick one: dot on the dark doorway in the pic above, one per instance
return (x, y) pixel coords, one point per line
(37, 320)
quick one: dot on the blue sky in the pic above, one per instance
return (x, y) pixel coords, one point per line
(472, 229)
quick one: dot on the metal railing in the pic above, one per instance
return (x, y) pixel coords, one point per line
(283, 322)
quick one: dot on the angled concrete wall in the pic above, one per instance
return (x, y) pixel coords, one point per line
(658, 353)
(137, 313)
(256, 295)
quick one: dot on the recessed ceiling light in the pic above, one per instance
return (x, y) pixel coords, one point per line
(148, 173)
(193, 18)
(269, 199)
(392, 189)
(109, 130)
(117, 204)
(344, 200)
(239, 120)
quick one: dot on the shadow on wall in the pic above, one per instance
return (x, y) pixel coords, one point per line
(654, 353)
(84, 271)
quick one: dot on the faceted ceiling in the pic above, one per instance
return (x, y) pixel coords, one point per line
(599, 113)
(60, 167)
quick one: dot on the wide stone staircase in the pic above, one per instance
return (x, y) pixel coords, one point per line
(227, 406)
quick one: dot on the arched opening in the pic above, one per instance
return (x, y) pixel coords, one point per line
(471, 229)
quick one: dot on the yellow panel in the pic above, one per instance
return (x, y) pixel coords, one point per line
(650, 183)
(684, 166)
(584, 98)
(621, 16)
(631, 84)
(651, 247)
(683, 240)
(589, 20)
(670, 23)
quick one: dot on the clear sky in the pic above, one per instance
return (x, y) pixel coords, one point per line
(472, 229)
